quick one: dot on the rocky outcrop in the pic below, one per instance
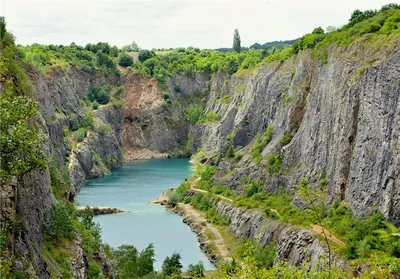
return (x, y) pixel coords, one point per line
(343, 116)
(154, 118)
(26, 202)
(294, 245)
(100, 210)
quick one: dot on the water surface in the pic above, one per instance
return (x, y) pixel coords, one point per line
(130, 188)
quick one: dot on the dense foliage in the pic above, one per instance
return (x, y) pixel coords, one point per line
(125, 60)
(100, 94)
(172, 265)
(93, 57)
(133, 264)
(20, 135)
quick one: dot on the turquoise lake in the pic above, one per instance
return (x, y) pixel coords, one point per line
(131, 187)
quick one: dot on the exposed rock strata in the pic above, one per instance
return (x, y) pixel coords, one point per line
(294, 245)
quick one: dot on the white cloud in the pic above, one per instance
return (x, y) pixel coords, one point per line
(173, 23)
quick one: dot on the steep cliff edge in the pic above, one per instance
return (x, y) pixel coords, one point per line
(343, 116)
(294, 245)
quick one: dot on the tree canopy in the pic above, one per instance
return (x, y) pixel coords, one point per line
(236, 41)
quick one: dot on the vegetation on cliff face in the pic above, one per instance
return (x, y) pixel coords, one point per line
(20, 136)
(369, 241)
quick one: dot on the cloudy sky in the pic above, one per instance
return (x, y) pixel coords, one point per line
(173, 23)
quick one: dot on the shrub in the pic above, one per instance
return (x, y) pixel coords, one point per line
(172, 265)
(80, 134)
(116, 104)
(125, 60)
(145, 54)
(210, 117)
(95, 104)
(230, 136)
(262, 142)
(104, 129)
(194, 113)
(196, 270)
(101, 94)
(19, 141)
(104, 61)
(94, 270)
(230, 153)
(274, 163)
(61, 222)
(286, 139)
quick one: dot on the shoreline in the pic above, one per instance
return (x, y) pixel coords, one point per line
(199, 229)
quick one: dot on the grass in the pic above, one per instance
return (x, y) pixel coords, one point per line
(261, 143)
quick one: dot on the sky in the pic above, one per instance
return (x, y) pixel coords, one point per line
(173, 23)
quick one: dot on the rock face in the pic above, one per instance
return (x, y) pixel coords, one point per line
(343, 113)
(294, 245)
(343, 116)
(61, 95)
(28, 200)
(154, 119)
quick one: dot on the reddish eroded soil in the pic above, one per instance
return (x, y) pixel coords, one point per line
(331, 237)
(141, 100)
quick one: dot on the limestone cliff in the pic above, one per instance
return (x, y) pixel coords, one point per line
(343, 116)
(342, 113)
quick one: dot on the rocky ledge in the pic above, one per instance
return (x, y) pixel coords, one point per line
(295, 245)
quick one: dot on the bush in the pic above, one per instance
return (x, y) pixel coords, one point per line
(116, 104)
(274, 163)
(196, 270)
(19, 141)
(194, 114)
(286, 139)
(172, 265)
(230, 153)
(211, 117)
(104, 129)
(94, 270)
(61, 222)
(104, 61)
(262, 142)
(134, 264)
(95, 104)
(145, 54)
(125, 60)
(80, 134)
(101, 94)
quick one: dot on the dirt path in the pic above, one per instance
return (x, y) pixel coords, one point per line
(317, 229)
(192, 187)
(219, 242)
(331, 237)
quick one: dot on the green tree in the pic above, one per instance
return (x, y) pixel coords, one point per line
(133, 264)
(114, 51)
(125, 60)
(236, 41)
(146, 261)
(61, 223)
(134, 47)
(196, 270)
(318, 30)
(19, 142)
(103, 60)
(315, 199)
(145, 54)
(127, 258)
(172, 265)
